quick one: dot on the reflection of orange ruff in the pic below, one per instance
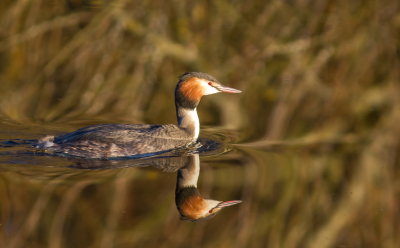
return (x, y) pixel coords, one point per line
(190, 204)
(193, 207)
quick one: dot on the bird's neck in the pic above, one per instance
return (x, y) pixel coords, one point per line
(188, 120)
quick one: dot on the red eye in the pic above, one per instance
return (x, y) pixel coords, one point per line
(210, 210)
(209, 83)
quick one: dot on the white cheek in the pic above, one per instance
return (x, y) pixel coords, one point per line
(208, 89)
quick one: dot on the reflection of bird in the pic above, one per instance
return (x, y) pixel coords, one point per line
(190, 204)
(121, 140)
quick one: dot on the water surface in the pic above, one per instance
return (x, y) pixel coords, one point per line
(293, 195)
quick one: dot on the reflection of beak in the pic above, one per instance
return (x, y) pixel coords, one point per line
(226, 89)
(227, 204)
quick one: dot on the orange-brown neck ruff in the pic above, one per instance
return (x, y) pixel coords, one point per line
(189, 93)
(192, 207)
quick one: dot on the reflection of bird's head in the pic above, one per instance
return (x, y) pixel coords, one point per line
(193, 207)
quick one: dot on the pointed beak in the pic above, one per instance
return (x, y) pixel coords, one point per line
(226, 89)
(228, 203)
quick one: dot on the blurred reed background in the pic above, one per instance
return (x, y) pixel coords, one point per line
(306, 68)
(319, 75)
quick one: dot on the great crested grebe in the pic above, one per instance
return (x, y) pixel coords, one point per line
(124, 140)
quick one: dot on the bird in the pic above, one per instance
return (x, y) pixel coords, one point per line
(189, 202)
(110, 141)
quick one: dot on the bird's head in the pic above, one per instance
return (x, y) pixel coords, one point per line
(193, 85)
(193, 207)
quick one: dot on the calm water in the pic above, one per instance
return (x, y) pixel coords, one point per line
(293, 195)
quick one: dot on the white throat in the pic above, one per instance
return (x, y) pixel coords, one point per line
(195, 118)
(189, 119)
